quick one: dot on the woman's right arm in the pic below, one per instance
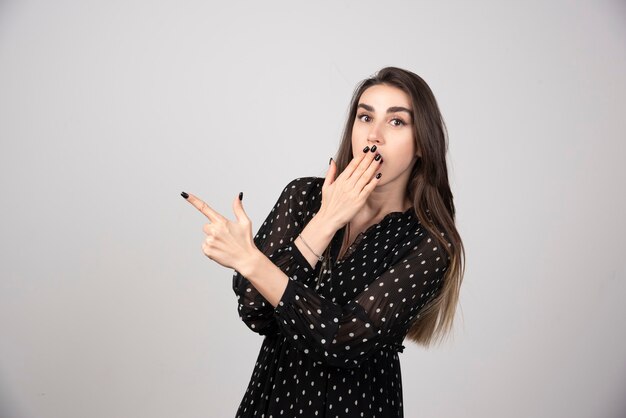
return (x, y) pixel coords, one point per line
(276, 239)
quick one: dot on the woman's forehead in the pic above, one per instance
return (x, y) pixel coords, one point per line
(382, 95)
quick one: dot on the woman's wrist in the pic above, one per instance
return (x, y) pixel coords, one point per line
(325, 223)
(268, 279)
(250, 262)
(314, 238)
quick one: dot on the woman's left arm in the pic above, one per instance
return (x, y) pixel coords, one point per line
(343, 336)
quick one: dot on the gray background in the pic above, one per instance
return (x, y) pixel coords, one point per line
(108, 110)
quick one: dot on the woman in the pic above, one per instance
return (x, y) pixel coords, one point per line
(345, 267)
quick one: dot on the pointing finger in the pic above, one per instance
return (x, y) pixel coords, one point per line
(206, 210)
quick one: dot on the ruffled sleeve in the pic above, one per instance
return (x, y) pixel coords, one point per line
(344, 335)
(275, 239)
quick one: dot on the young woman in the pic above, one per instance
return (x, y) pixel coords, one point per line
(346, 267)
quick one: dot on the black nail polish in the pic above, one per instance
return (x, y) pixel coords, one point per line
(378, 175)
(378, 157)
(331, 158)
(367, 148)
(240, 195)
(185, 195)
(373, 148)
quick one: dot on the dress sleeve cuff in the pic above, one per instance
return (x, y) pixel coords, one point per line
(303, 263)
(300, 258)
(287, 297)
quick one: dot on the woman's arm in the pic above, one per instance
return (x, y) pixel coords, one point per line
(346, 194)
(318, 233)
(344, 335)
(274, 242)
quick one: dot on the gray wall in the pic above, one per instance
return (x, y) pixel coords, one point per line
(108, 110)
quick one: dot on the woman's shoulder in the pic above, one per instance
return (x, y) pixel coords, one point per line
(304, 193)
(303, 186)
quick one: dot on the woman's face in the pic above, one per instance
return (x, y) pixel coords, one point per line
(384, 118)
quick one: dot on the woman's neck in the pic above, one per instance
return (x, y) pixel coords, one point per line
(387, 198)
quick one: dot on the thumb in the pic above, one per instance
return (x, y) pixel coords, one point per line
(330, 174)
(240, 213)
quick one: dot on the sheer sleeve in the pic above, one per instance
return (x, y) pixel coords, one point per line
(344, 335)
(275, 239)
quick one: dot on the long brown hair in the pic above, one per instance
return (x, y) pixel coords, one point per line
(429, 190)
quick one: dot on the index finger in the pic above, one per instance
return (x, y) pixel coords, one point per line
(356, 161)
(204, 208)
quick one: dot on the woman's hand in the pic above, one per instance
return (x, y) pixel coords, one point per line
(228, 243)
(344, 196)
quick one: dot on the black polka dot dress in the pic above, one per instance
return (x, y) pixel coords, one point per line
(330, 347)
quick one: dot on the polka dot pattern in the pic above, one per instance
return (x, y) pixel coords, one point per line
(331, 345)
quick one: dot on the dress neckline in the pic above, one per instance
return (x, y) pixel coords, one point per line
(357, 240)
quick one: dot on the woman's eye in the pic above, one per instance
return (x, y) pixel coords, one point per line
(401, 122)
(363, 116)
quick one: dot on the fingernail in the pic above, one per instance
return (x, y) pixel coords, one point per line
(185, 195)
(240, 195)
(331, 158)
(367, 148)
(373, 148)
(378, 157)
(378, 175)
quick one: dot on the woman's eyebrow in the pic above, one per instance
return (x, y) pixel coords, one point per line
(390, 110)
(399, 109)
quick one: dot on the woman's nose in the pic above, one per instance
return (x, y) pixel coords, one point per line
(375, 132)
